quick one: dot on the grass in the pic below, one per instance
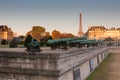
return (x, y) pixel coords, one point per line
(101, 72)
(7, 46)
(4, 46)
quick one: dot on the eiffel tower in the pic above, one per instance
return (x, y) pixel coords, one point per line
(80, 32)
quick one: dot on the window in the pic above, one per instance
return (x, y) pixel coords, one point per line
(102, 56)
(98, 61)
(76, 74)
(91, 65)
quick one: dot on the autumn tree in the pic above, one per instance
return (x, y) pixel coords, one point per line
(43, 41)
(63, 35)
(67, 35)
(38, 32)
(47, 34)
(46, 37)
(56, 34)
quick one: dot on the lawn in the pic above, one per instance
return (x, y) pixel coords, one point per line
(4, 46)
(7, 46)
(109, 69)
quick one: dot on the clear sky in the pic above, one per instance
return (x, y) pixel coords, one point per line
(62, 15)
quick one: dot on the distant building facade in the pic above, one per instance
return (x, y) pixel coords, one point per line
(100, 33)
(6, 32)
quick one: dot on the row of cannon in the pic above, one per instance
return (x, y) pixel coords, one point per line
(64, 43)
(73, 42)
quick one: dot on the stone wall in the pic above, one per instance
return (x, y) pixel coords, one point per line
(81, 60)
(17, 64)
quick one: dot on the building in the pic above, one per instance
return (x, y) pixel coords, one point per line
(6, 32)
(100, 33)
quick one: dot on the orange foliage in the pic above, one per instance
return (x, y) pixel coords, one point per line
(63, 35)
(47, 34)
(56, 34)
(67, 35)
(38, 32)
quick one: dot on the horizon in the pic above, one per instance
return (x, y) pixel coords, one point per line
(61, 15)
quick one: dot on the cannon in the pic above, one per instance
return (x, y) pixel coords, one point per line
(86, 43)
(59, 43)
(34, 46)
(80, 42)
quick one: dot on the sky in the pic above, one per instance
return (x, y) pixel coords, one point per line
(61, 15)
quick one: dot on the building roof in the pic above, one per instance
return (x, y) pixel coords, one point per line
(95, 27)
(4, 28)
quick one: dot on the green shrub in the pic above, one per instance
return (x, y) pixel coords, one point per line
(13, 44)
(4, 42)
(27, 40)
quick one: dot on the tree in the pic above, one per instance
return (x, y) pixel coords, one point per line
(67, 35)
(13, 44)
(27, 40)
(56, 34)
(47, 34)
(38, 32)
(4, 42)
(109, 39)
(43, 41)
(22, 37)
(63, 35)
